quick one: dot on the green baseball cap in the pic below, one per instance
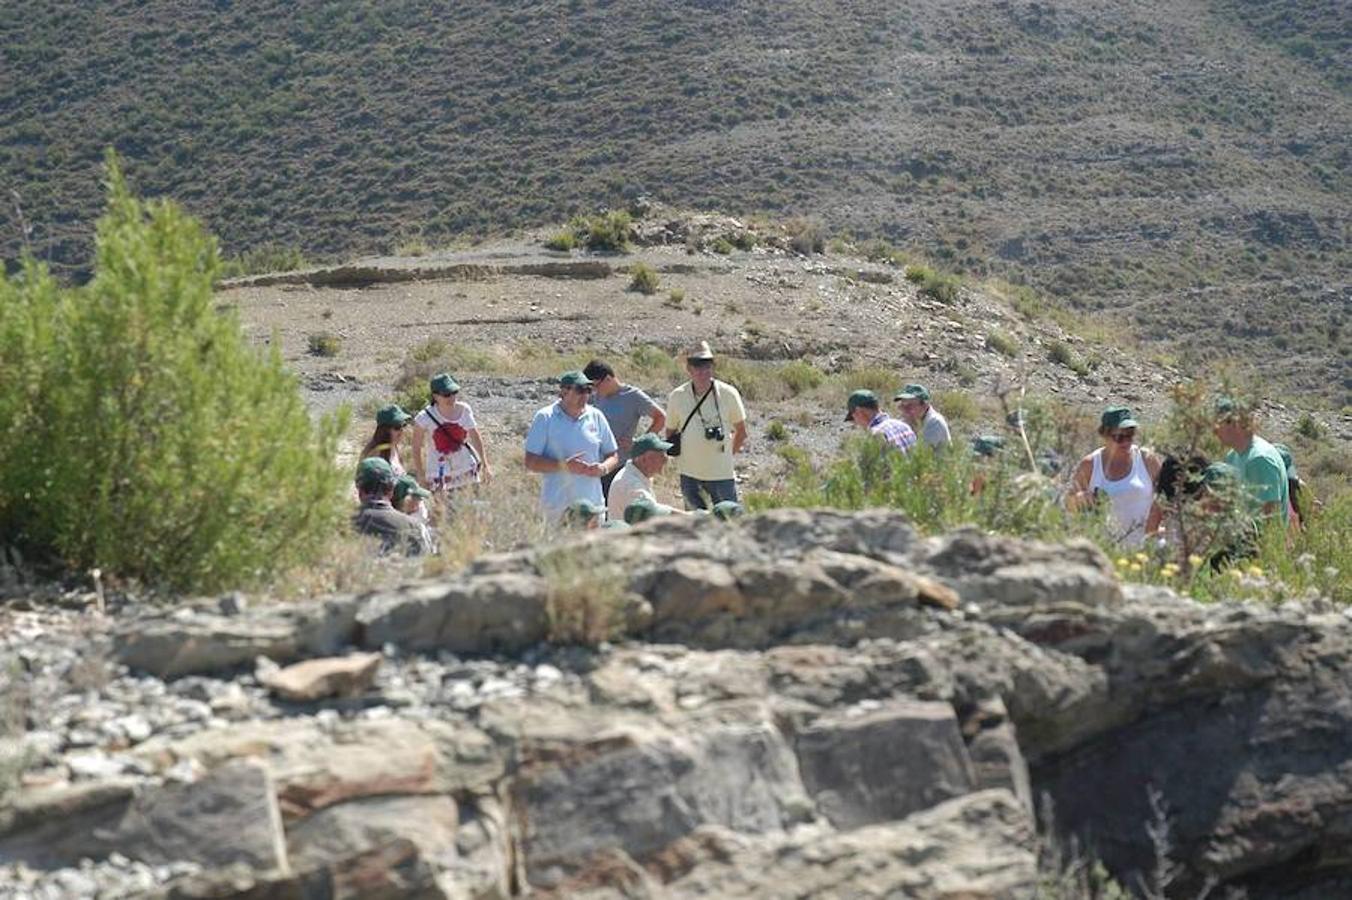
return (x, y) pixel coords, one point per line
(374, 472)
(444, 384)
(406, 485)
(611, 524)
(1117, 417)
(913, 392)
(1230, 408)
(393, 415)
(580, 512)
(648, 443)
(574, 379)
(865, 399)
(728, 509)
(987, 444)
(643, 509)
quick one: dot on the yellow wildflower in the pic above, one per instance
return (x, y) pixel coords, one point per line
(1141, 557)
(1122, 562)
(1194, 560)
(1135, 567)
(1256, 571)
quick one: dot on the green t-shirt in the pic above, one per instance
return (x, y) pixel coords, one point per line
(1264, 474)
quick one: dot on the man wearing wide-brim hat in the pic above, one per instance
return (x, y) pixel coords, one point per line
(570, 443)
(707, 422)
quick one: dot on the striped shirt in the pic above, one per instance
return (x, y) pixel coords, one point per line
(894, 431)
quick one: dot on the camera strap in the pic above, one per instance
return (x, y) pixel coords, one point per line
(713, 389)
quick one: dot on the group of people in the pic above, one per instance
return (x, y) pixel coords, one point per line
(1139, 486)
(599, 446)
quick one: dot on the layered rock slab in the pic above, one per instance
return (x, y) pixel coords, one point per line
(228, 817)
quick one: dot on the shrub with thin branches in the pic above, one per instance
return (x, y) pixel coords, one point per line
(140, 432)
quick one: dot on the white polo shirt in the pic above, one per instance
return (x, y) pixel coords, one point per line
(629, 485)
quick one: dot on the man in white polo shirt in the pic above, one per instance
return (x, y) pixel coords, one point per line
(647, 457)
(913, 401)
(571, 444)
(707, 422)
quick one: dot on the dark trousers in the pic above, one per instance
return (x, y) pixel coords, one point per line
(607, 479)
(693, 491)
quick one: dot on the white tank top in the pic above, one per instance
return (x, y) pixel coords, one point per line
(1131, 496)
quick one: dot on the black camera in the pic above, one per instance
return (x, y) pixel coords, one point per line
(713, 433)
(675, 441)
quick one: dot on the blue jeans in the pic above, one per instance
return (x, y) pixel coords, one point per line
(693, 491)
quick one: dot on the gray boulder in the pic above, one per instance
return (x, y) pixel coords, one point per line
(191, 641)
(503, 613)
(228, 817)
(638, 793)
(881, 765)
(393, 871)
(980, 846)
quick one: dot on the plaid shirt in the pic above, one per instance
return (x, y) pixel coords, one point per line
(894, 431)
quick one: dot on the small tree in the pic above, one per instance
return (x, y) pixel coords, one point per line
(139, 431)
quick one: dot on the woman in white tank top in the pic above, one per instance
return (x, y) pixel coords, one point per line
(1124, 474)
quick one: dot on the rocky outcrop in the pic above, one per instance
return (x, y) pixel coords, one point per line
(228, 817)
(812, 698)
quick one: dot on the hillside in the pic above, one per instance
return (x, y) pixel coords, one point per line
(1182, 167)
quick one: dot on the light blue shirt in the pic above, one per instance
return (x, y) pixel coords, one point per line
(556, 435)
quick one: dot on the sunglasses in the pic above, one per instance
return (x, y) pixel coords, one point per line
(1121, 437)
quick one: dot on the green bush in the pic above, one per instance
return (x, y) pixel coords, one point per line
(776, 431)
(262, 260)
(653, 365)
(610, 232)
(675, 298)
(806, 236)
(563, 240)
(957, 406)
(723, 246)
(935, 285)
(324, 343)
(882, 251)
(1002, 342)
(643, 279)
(1060, 352)
(1307, 426)
(742, 240)
(799, 376)
(140, 433)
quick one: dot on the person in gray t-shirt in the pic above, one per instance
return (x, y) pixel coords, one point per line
(913, 402)
(623, 406)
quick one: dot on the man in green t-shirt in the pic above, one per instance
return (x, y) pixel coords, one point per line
(1256, 461)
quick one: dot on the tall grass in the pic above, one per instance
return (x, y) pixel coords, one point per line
(934, 490)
